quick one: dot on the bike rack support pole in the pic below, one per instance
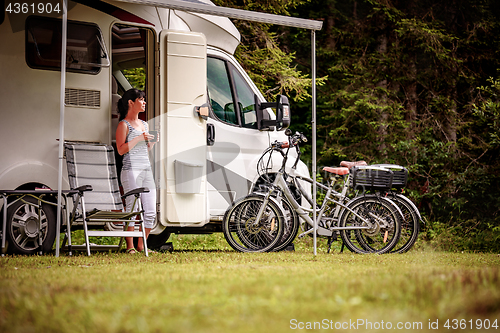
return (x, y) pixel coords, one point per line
(61, 122)
(313, 56)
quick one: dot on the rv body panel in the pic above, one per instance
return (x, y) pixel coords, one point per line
(219, 31)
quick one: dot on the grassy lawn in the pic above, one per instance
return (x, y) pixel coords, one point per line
(204, 286)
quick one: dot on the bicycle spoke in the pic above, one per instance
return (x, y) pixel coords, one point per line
(244, 233)
(381, 220)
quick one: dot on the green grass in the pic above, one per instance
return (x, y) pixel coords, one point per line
(204, 286)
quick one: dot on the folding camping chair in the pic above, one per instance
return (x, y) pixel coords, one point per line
(98, 204)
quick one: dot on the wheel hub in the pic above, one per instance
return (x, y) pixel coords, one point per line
(31, 226)
(252, 227)
(374, 229)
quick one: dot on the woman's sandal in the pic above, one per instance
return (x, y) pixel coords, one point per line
(149, 251)
(131, 251)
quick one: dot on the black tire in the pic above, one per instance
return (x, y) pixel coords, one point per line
(291, 227)
(410, 224)
(157, 241)
(244, 234)
(23, 231)
(378, 239)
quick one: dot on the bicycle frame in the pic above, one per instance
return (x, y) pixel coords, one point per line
(303, 212)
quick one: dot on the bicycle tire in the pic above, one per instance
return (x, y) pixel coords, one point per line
(378, 239)
(241, 231)
(291, 226)
(291, 220)
(410, 226)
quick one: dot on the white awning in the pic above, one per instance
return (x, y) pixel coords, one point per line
(238, 14)
(194, 6)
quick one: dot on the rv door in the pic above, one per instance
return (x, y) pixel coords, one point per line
(183, 137)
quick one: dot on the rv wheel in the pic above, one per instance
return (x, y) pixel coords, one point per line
(156, 241)
(23, 231)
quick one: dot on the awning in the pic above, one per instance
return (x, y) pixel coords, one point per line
(198, 7)
(238, 14)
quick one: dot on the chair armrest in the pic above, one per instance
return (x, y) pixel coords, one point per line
(83, 188)
(136, 191)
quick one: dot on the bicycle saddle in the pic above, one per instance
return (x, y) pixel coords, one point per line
(338, 171)
(351, 164)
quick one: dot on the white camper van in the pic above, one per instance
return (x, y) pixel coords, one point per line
(188, 62)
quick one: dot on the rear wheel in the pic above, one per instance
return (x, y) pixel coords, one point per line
(410, 225)
(242, 230)
(25, 227)
(382, 219)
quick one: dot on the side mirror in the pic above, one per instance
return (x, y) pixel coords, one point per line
(282, 113)
(283, 117)
(263, 120)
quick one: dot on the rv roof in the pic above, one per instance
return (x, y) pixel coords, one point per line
(196, 6)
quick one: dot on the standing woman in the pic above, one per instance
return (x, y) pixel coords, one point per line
(133, 142)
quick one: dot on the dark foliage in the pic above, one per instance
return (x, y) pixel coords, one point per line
(405, 81)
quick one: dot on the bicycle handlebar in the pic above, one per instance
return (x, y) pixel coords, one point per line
(293, 141)
(280, 145)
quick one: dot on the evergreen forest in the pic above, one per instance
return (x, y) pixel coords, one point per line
(409, 82)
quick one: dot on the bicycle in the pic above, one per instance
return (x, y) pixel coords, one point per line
(366, 224)
(410, 226)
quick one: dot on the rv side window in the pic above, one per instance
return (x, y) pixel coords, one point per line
(219, 89)
(231, 98)
(246, 101)
(85, 48)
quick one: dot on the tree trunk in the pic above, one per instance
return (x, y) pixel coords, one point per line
(450, 121)
(450, 116)
(383, 84)
(412, 99)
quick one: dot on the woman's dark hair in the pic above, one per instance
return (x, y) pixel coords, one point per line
(129, 95)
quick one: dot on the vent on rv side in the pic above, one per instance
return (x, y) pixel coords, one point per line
(82, 98)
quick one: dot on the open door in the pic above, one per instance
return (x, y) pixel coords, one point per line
(183, 133)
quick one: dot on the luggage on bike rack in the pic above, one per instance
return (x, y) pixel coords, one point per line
(400, 174)
(371, 178)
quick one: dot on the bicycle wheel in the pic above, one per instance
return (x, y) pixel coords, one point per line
(291, 225)
(377, 213)
(244, 233)
(410, 225)
(291, 222)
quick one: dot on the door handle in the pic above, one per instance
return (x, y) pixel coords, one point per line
(202, 111)
(210, 134)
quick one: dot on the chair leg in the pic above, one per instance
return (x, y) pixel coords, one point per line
(85, 228)
(140, 243)
(144, 235)
(67, 234)
(87, 242)
(144, 243)
(120, 245)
